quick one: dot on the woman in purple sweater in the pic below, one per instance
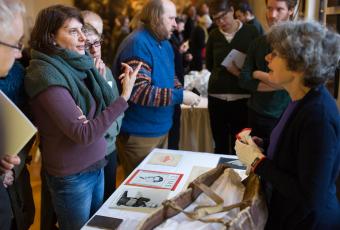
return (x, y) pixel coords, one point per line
(72, 106)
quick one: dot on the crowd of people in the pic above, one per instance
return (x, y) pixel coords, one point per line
(89, 113)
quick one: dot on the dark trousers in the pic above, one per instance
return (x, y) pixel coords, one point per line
(261, 125)
(48, 217)
(174, 133)
(20, 194)
(5, 209)
(110, 174)
(227, 118)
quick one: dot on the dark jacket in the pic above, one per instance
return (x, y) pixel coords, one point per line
(272, 103)
(5, 209)
(20, 192)
(221, 80)
(257, 24)
(197, 44)
(305, 166)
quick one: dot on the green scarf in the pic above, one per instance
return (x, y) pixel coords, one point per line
(68, 69)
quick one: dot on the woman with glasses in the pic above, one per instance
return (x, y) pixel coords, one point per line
(72, 106)
(93, 45)
(302, 162)
(226, 100)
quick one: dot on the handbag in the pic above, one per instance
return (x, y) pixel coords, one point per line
(252, 212)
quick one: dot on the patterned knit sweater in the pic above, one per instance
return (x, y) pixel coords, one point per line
(156, 90)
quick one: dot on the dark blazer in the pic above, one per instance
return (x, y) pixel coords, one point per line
(5, 209)
(305, 167)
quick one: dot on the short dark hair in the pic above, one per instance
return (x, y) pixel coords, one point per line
(216, 6)
(290, 3)
(48, 22)
(243, 7)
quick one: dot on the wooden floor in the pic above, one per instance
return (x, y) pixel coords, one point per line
(34, 169)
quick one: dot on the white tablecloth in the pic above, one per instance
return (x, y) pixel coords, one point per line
(189, 160)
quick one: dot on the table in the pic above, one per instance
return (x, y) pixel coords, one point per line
(189, 160)
(195, 134)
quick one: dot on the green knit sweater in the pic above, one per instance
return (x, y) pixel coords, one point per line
(70, 70)
(221, 80)
(270, 104)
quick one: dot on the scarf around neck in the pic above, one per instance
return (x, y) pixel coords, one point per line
(68, 69)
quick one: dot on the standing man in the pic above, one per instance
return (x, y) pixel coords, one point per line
(267, 100)
(149, 117)
(12, 31)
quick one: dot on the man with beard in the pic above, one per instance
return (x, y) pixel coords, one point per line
(149, 117)
(267, 101)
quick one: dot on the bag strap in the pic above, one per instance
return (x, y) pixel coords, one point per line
(204, 210)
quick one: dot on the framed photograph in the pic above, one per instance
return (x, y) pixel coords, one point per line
(140, 199)
(155, 179)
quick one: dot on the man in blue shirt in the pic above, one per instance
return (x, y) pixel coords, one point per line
(151, 105)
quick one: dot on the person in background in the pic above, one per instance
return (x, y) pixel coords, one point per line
(94, 20)
(12, 31)
(120, 32)
(198, 40)
(190, 23)
(226, 99)
(267, 101)
(149, 118)
(302, 162)
(72, 106)
(180, 48)
(244, 13)
(93, 45)
(204, 15)
(17, 180)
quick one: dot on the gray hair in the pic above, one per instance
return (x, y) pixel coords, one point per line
(8, 11)
(307, 47)
(88, 29)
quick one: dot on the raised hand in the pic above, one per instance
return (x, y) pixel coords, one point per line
(128, 79)
(100, 65)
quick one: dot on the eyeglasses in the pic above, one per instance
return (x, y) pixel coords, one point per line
(219, 17)
(20, 46)
(89, 45)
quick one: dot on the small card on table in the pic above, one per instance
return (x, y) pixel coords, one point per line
(167, 159)
(155, 179)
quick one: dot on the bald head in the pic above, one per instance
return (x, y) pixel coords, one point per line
(93, 19)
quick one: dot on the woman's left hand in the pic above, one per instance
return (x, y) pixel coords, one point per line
(247, 152)
(100, 65)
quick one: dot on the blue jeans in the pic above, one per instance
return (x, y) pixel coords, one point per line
(76, 197)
